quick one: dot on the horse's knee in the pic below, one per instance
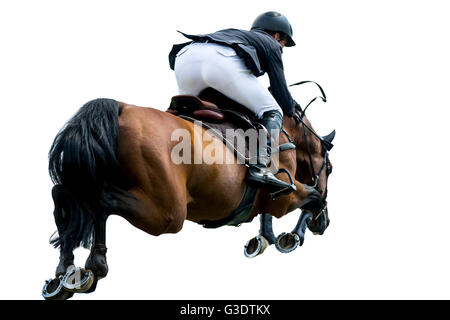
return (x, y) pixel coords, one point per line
(312, 200)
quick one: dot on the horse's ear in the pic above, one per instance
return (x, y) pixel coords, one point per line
(328, 139)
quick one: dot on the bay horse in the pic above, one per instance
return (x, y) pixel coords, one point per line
(115, 158)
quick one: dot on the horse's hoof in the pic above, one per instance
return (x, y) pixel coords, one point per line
(255, 246)
(53, 290)
(78, 280)
(288, 242)
(94, 284)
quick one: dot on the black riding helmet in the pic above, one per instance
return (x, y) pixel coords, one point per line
(274, 21)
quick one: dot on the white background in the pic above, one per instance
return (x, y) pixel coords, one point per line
(385, 68)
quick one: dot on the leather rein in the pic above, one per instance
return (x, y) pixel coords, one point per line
(326, 146)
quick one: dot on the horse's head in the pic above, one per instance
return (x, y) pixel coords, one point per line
(313, 165)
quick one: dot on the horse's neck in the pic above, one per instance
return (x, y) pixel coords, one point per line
(292, 129)
(297, 133)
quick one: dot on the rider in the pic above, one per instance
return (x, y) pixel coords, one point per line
(230, 61)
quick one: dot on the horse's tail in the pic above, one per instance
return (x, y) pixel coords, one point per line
(83, 159)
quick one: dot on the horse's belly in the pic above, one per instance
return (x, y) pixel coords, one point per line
(215, 191)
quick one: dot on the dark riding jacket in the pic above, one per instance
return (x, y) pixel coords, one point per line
(260, 52)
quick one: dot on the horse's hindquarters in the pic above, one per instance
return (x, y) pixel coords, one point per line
(169, 190)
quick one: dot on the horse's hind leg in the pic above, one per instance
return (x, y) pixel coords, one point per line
(97, 259)
(53, 289)
(96, 262)
(96, 266)
(66, 256)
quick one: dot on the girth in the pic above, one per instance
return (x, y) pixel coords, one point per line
(240, 215)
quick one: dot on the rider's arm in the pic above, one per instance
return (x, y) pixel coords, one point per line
(278, 84)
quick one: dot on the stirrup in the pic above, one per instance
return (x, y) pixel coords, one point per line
(282, 188)
(285, 191)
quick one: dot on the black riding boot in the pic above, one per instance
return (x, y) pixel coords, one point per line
(260, 174)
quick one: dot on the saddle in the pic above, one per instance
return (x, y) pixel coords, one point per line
(217, 120)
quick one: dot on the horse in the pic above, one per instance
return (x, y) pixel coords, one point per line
(115, 158)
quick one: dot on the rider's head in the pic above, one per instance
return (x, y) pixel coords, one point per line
(277, 25)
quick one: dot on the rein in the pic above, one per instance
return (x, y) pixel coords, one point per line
(323, 97)
(315, 177)
(299, 115)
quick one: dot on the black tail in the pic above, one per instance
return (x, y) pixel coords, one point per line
(83, 160)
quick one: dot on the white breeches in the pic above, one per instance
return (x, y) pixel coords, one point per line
(202, 65)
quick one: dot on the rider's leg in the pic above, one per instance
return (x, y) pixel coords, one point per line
(202, 65)
(260, 173)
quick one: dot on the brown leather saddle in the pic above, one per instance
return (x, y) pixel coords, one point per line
(230, 115)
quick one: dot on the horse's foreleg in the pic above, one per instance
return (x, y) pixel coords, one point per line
(266, 237)
(288, 242)
(266, 228)
(306, 198)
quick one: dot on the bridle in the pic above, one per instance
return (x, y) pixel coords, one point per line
(326, 145)
(321, 216)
